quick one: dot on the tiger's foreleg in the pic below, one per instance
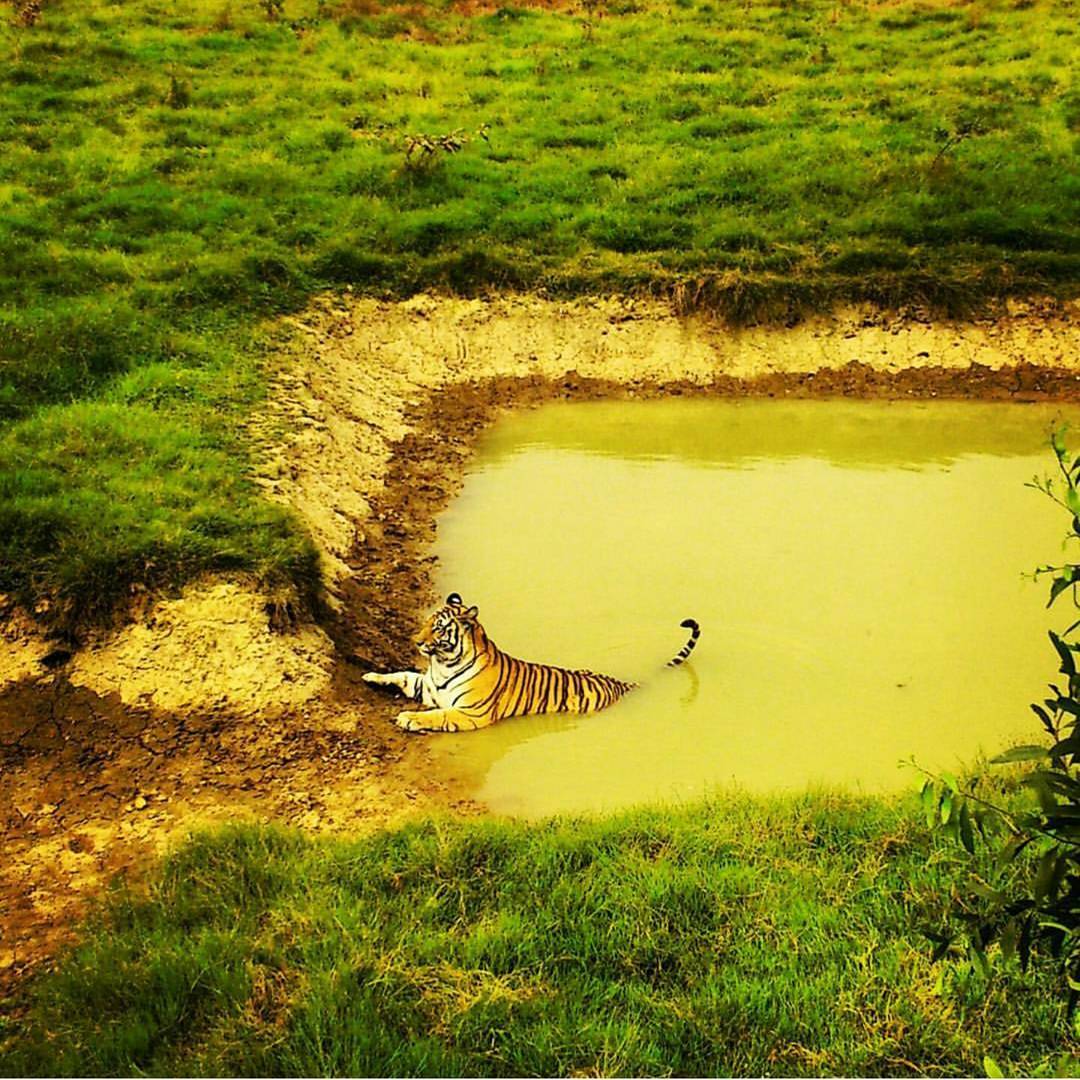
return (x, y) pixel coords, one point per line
(408, 682)
(442, 720)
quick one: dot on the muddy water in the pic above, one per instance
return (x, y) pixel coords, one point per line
(857, 569)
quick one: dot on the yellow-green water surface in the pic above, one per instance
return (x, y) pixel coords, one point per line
(857, 569)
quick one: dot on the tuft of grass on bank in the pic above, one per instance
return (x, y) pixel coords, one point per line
(74, 508)
(169, 175)
(732, 937)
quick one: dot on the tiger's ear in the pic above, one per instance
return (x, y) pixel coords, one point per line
(471, 614)
(454, 599)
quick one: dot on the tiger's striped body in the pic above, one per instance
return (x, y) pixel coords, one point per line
(470, 683)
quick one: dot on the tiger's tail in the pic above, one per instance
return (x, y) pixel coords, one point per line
(688, 648)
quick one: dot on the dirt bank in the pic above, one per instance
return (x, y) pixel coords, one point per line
(380, 410)
(198, 710)
(368, 374)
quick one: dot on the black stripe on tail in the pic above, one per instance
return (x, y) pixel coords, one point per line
(688, 648)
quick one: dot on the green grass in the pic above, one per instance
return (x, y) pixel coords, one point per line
(739, 936)
(74, 502)
(170, 174)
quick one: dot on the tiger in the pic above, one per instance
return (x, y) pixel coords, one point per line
(470, 683)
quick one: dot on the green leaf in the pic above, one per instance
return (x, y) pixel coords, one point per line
(1057, 441)
(1044, 718)
(987, 892)
(967, 837)
(1065, 747)
(1072, 499)
(1045, 874)
(1058, 781)
(941, 950)
(946, 807)
(1057, 587)
(991, 1068)
(1038, 783)
(1068, 661)
(1008, 941)
(1063, 826)
(1012, 848)
(929, 802)
(979, 961)
(950, 782)
(1053, 924)
(1028, 752)
(1023, 946)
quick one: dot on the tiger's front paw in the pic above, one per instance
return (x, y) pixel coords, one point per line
(375, 678)
(411, 721)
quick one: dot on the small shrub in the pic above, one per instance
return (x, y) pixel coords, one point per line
(1032, 905)
(179, 93)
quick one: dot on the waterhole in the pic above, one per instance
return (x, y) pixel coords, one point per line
(860, 571)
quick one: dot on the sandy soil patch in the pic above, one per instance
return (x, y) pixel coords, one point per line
(212, 647)
(198, 710)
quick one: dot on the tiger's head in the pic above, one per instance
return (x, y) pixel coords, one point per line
(453, 634)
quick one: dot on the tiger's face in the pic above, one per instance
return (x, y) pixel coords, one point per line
(449, 634)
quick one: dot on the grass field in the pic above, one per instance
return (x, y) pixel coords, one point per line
(737, 937)
(171, 174)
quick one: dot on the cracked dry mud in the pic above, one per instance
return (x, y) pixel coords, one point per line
(197, 710)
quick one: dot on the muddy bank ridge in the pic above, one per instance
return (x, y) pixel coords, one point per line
(380, 408)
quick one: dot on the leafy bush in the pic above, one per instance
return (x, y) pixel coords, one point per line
(1032, 907)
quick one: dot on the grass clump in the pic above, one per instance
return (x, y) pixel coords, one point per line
(735, 937)
(74, 488)
(170, 177)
